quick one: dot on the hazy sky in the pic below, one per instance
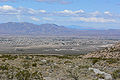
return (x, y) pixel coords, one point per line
(103, 14)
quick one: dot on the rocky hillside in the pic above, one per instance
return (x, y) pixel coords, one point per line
(109, 52)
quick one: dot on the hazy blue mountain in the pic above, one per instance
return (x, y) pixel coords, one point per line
(80, 27)
(24, 28)
(33, 29)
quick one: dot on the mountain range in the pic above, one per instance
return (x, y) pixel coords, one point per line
(24, 28)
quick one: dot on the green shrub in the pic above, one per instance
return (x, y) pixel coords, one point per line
(111, 61)
(85, 66)
(34, 64)
(28, 58)
(116, 74)
(37, 76)
(9, 57)
(101, 76)
(23, 75)
(67, 62)
(26, 65)
(73, 74)
(26, 75)
(94, 61)
(4, 67)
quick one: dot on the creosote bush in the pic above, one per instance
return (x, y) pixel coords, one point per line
(116, 74)
(23, 75)
(4, 67)
(9, 57)
(34, 64)
(111, 61)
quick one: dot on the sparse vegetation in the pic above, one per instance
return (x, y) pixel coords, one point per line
(40, 67)
(73, 74)
(9, 57)
(26, 64)
(83, 66)
(111, 61)
(34, 64)
(100, 76)
(4, 67)
(116, 74)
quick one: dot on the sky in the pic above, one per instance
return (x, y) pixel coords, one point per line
(97, 14)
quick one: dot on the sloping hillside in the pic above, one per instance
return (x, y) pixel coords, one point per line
(109, 52)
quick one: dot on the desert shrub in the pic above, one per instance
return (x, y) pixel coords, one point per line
(23, 75)
(67, 62)
(73, 74)
(26, 64)
(4, 60)
(94, 79)
(100, 76)
(4, 67)
(35, 60)
(57, 56)
(94, 61)
(34, 64)
(63, 57)
(111, 61)
(83, 66)
(28, 57)
(56, 67)
(38, 56)
(97, 58)
(26, 75)
(41, 64)
(108, 60)
(116, 74)
(9, 57)
(10, 75)
(37, 76)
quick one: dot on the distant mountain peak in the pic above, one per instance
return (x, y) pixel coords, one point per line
(25, 28)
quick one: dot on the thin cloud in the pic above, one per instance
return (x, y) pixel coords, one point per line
(32, 11)
(107, 13)
(10, 10)
(92, 19)
(35, 19)
(7, 0)
(55, 1)
(78, 15)
(47, 19)
(6, 7)
(71, 12)
(4, 0)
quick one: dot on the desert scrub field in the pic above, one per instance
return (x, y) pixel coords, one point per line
(55, 67)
